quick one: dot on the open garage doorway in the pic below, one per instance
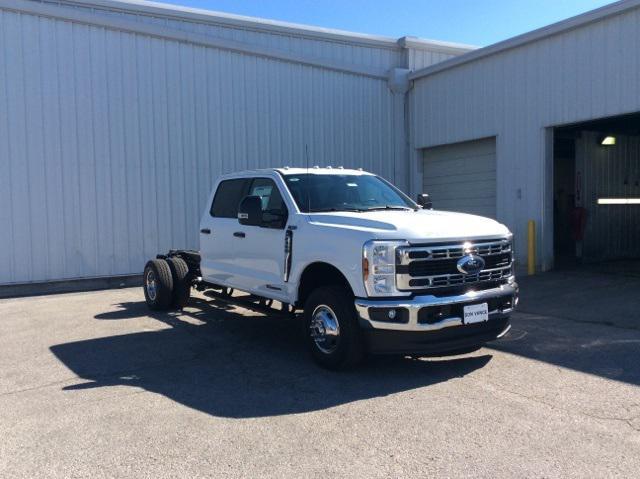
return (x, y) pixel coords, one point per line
(596, 190)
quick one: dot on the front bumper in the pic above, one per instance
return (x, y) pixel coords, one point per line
(432, 325)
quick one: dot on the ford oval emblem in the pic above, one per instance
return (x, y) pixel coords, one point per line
(470, 264)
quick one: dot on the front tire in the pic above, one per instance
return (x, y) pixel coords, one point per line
(332, 332)
(157, 285)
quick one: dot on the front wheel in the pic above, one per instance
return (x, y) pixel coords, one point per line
(331, 326)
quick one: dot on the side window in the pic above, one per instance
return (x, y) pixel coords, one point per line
(274, 211)
(228, 197)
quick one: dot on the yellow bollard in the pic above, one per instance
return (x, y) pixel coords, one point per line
(531, 250)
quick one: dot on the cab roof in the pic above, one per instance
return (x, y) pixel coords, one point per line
(288, 171)
(319, 170)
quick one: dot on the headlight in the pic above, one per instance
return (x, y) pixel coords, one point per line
(379, 267)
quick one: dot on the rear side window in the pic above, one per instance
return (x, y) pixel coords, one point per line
(228, 197)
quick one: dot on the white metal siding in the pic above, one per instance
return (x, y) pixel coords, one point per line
(111, 141)
(580, 74)
(117, 119)
(420, 58)
(354, 51)
(462, 177)
(365, 53)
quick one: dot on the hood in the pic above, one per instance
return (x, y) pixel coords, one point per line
(413, 226)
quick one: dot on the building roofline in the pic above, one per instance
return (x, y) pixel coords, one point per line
(427, 44)
(572, 23)
(88, 17)
(165, 10)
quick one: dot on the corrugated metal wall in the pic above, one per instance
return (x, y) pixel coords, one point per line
(111, 140)
(580, 74)
(613, 231)
(376, 54)
(421, 58)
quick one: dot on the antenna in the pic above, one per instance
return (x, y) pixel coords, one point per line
(306, 154)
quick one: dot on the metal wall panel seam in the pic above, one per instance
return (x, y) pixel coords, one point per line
(67, 253)
(45, 193)
(27, 148)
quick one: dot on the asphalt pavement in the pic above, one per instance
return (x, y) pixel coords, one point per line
(93, 385)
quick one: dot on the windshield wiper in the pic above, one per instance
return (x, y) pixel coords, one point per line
(389, 207)
(329, 210)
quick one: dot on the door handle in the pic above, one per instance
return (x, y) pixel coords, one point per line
(239, 234)
(205, 231)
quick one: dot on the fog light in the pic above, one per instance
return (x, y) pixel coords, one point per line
(395, 315)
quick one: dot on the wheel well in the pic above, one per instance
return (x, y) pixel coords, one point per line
(316, 275)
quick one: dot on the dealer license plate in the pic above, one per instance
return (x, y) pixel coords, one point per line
(476, 313)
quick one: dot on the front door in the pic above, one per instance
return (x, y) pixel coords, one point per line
(259, 250)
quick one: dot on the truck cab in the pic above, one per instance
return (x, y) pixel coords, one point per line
(365, 267)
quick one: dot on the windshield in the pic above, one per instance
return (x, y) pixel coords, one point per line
(317, 193)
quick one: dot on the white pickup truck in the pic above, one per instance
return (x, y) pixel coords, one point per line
(371, 270)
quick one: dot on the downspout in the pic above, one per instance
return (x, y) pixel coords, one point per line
(400, 85)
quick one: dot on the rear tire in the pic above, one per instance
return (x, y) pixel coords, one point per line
(332, 332)
(157, 285)
(181, 283)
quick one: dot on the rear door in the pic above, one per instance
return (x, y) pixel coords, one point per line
(259, 250)
(217, 228)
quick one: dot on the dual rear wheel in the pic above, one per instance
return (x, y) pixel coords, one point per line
(166, 284)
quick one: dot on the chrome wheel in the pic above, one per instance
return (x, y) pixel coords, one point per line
(151, 285)
(325, 329)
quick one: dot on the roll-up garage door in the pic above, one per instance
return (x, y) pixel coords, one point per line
(462, 176)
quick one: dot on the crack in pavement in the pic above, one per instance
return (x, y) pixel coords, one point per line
(629, 421)
(579, 321)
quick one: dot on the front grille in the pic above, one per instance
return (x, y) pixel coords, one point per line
(435, 265)
(449, 266)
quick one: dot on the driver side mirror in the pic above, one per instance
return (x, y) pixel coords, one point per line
(424, 200)
(250, 211)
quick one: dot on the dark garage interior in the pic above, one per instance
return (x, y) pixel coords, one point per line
(597, 195)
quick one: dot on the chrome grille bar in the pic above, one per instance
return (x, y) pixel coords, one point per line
(433, 253)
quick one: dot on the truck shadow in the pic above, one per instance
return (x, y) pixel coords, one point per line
(228, 364)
